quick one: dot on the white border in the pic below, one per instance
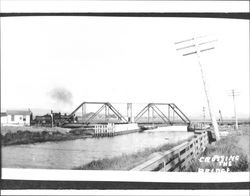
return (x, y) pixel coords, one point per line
(132, 176)
(122, 6)
(76, 175)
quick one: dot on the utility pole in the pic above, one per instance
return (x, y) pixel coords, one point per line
(204, 115)
(197, 49)
(234, 94)
(52, 118)
(221, 120)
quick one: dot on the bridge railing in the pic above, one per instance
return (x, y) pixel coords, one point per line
(177, 158)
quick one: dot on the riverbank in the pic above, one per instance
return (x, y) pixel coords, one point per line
(128, 161)
(232, 150)
(28, 135)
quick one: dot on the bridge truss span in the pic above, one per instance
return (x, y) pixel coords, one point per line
(168, 113)
(152, 113)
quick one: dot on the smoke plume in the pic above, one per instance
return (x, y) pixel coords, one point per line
(61, 95)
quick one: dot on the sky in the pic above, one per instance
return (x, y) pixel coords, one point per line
(122, 60)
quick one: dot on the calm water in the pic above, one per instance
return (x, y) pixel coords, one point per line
(73, 153)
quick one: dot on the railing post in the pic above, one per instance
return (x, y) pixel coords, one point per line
(179, 159)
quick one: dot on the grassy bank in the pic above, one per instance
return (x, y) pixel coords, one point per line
(28, 135)
(126, 161)
(236, 144)
(14, 129)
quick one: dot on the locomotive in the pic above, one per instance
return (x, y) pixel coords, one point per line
(53, 119)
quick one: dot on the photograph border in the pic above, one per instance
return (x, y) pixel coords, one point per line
(8, 184)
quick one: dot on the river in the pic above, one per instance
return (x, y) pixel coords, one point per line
(73, 153)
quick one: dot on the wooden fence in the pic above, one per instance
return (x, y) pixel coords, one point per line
(177, 158)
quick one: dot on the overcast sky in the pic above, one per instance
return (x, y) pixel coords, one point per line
(122, 60)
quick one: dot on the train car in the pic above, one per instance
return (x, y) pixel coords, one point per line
(53, 119)
(44, 121)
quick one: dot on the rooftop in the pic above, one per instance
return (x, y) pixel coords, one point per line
(18, 112)
(3, 114)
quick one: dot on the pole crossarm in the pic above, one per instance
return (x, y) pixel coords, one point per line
(194, 45)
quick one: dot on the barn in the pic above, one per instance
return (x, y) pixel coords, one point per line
(16, 118)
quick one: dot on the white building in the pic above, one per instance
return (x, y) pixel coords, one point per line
(3, 118)
(16, 118)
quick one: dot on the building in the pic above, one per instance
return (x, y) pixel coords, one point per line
(3, 118)
(16, 118)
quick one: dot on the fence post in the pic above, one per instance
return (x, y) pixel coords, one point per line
(179, 159)
(164, 165)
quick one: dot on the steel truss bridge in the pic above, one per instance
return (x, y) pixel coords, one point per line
(156, 113)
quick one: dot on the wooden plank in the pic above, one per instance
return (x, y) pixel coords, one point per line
(186, 162)
(156, 161)
(186, 154)
(176, 169)
(171, 164)
(179, 147)
(150, 164)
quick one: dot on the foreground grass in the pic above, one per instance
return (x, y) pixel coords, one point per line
(227, 146)
(127, 161)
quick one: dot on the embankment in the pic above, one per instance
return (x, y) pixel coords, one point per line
(230, 153)
(28, 135)
(127, 161)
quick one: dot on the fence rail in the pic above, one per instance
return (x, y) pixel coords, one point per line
(177, 158)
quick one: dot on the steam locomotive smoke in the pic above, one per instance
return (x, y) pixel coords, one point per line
(61, 95)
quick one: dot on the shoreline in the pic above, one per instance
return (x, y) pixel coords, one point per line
(31, 135)
(41, 139)
(126, 162)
